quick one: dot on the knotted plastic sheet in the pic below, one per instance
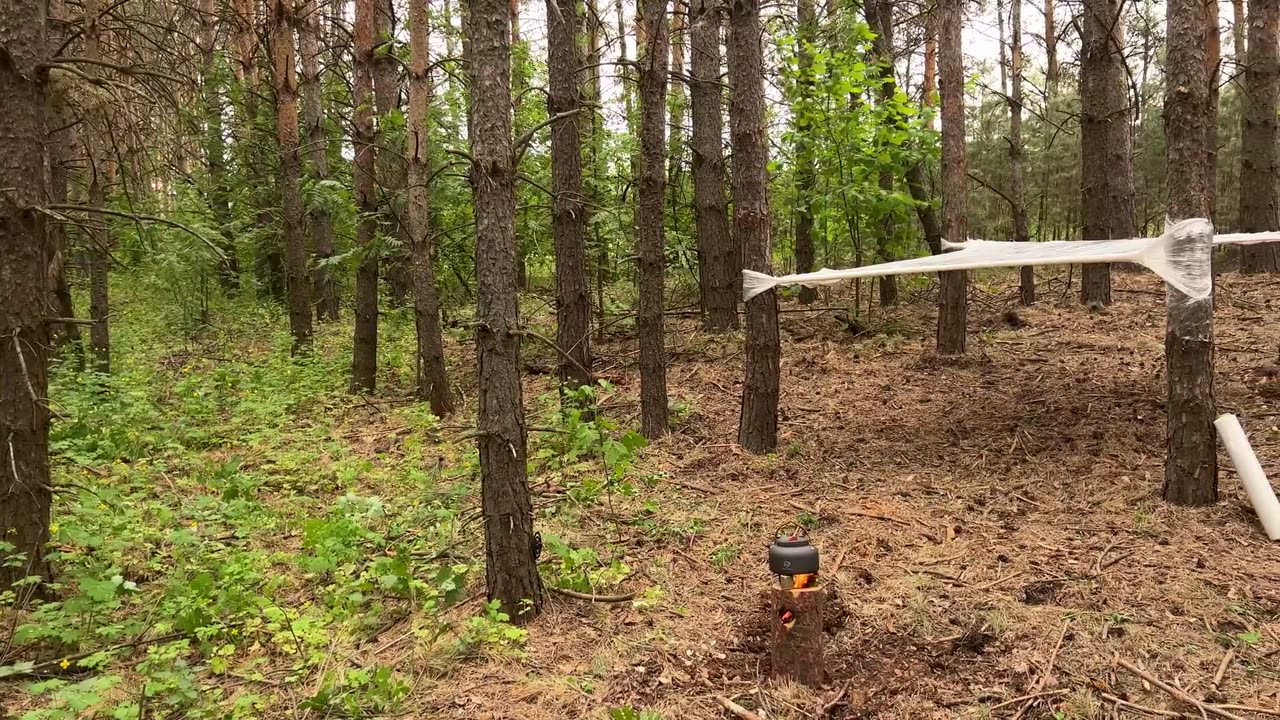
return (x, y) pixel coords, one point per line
(1180, 256)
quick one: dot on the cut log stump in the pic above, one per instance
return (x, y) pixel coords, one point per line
(796, 650)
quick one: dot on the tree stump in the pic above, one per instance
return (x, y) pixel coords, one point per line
(796, 647)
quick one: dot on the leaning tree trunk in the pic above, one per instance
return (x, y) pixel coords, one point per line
(758, 422)
(717, 255)
(24, 335)
(297, 279)
(1191, 466)
(1258, 160)
(1017, 153)
(511, 569)
(1107, 196)
(806, 160)
(324, 289)
(650, 235)
(953, 299)
(433, 381)
(364, 362)
(568, 211)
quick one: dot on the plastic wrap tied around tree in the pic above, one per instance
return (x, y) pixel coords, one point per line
(1182, 256)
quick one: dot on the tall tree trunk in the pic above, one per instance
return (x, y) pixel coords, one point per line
(1213, 58)
(24, 258)
(1191, 466)
(433, 381)
(676, 104)
(1050, 49)
(1258, 160)
(568, 211)
(61, 147)
(652, 52)
(880, 13)
(806, 161)
(717, 256)
(1107, 197)
(96, 129)
(929, 94)
(324, 289)
(297, 278)
(953, 299)
(364, 362)
(511, 566)
(598, 162)
(925, 211)
(1017, 152)
(219, 192)
(392, 172)
(758, 422)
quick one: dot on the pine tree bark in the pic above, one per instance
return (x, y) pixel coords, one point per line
(324, 288)
(1107, 196)
(219, 192)
(297, 278)
(1191, 466)
(1017, 152)
(100, 236)
(433, 380)
(1213, 58)
(929, 84)
(61, 149)
(806, 162)
(758, 422)
(24, 257)
(1258, 158)
(511, 569)
(650, 234)
(717, 256)
(676, 104)
(568, 211)
(364, 363)
(1050, 48)
(925, 211)
(598, 163)
(953, 298)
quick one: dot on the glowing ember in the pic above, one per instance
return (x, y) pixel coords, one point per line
(803, 580)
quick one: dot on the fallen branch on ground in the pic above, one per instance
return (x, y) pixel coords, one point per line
(592, 598)
(736, 709)
(1176, 692)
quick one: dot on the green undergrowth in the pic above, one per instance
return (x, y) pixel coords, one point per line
(233, 531)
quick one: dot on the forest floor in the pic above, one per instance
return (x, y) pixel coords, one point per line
(991, 530)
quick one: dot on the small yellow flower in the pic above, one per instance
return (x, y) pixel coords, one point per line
(235, 631)
(194, 524)
(102, 506)
(64, 664)
(53, 528)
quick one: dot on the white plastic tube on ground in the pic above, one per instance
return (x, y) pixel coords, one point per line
(1260, 493)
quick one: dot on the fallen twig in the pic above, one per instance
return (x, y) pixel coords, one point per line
(736, 709)
(830, 705)
(592, 598)
(1222, 668)
(1048, 670)
(1032, 696)
(1176, 691)
(1121, 702)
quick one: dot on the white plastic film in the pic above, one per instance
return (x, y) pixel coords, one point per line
(1174, 256)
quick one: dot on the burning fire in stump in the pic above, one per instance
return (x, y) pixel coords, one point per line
(796, 647)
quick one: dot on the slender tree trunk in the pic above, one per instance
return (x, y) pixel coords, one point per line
(929, 95)
(1017, 152)
(364, 363)
(1107, 197)
(676, 103)
(96, 128)
(61, 147)
(1213, 58)
(1258, 159)
(1191, 467)
(953, 299)
(758, 422)
(925, 211)
(717, 256)
(806, 162)
(297, 278)
(1050, 48)
(392, 172)
(880, 13)
(568, 211)
(24, 258)
(598, 162)
(324, 289)
(511, 567)
(650, 235)
(219, 192)
(433, 381)
(521, 64)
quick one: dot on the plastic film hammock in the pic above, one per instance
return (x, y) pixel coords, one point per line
(1179, 256)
